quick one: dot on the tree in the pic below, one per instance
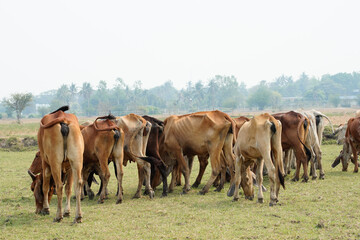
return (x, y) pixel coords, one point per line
(17, 102)
(86, 92)
(261, 97)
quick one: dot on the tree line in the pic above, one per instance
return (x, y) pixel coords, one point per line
(220, 92)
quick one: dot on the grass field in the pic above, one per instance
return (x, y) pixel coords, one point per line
(319, 209)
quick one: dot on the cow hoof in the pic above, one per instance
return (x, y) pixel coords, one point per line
(295, 179)
(184, 192)
(235, 199)
(45, 211)
(170, 190)
(66, 214)
(201, 192)
(271, 204)
(100, 201)
(314, 178)
(77, 220)
(57, 219)
(218, 189)
(164, 194)
(305, 180)
(260, 200)
(135, 197)
(195, 185)
(151, 194)
(146, 192)
(355, 171)
(322, 176)
(119, 201)
(91, 195)
(249, 198)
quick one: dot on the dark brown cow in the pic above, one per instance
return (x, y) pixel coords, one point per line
(294, 131)
(351, 145)
(60, 140)
(158, 167)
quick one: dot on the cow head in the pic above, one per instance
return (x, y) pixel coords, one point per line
(247, 182)
(36, 187)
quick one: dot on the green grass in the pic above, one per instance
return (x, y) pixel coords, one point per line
(18, 130)
(319, 209)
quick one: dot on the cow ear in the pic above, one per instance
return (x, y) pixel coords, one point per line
(33, 176)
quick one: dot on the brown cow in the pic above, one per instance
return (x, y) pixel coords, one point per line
(294, 131)
(60, 140)
(259, 140)
(103, 141)
(351, 145)
(199, 133)
(137, 131)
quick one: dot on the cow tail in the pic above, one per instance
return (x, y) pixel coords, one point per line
(281, 178)
(305, 125)
(65, 133)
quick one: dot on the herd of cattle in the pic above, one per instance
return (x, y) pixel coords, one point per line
(70, 154)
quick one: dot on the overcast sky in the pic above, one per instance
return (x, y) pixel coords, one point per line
(44, 44)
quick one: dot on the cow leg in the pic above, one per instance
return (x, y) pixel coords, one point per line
(120, 173)
(69, 183)
(104, 174)
(236, 184)
(147, 174)
(185, 170)
(215, 166)
(203, 161)
(354, 152)
(318, 154)
(141, 180)
(173, 178)
(259, 179)
(287, 162)
(56, 174)
(45, 188)
(272, 176)
(312, 162)
(222, 180)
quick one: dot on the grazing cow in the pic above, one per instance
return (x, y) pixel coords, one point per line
(199, 133)
(259, 141)
(295, 128)
(350, 146)
(104, 141)
(158, 168)
(137, 131)
(60, 140)
(312, 140)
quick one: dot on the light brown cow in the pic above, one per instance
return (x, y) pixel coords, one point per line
(259, 141)
(137, 130)
(60, 140)
(104, 141)
(199, 133)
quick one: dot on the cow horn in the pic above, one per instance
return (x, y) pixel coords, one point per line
(33, 176)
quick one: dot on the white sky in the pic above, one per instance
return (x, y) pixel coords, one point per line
(44, 44)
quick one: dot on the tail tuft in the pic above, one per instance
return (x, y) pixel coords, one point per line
(281, 178)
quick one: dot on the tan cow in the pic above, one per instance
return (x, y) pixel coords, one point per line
(104, 141)
(60, 140)
(137, 130)
(259, 141)
(199, 133)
